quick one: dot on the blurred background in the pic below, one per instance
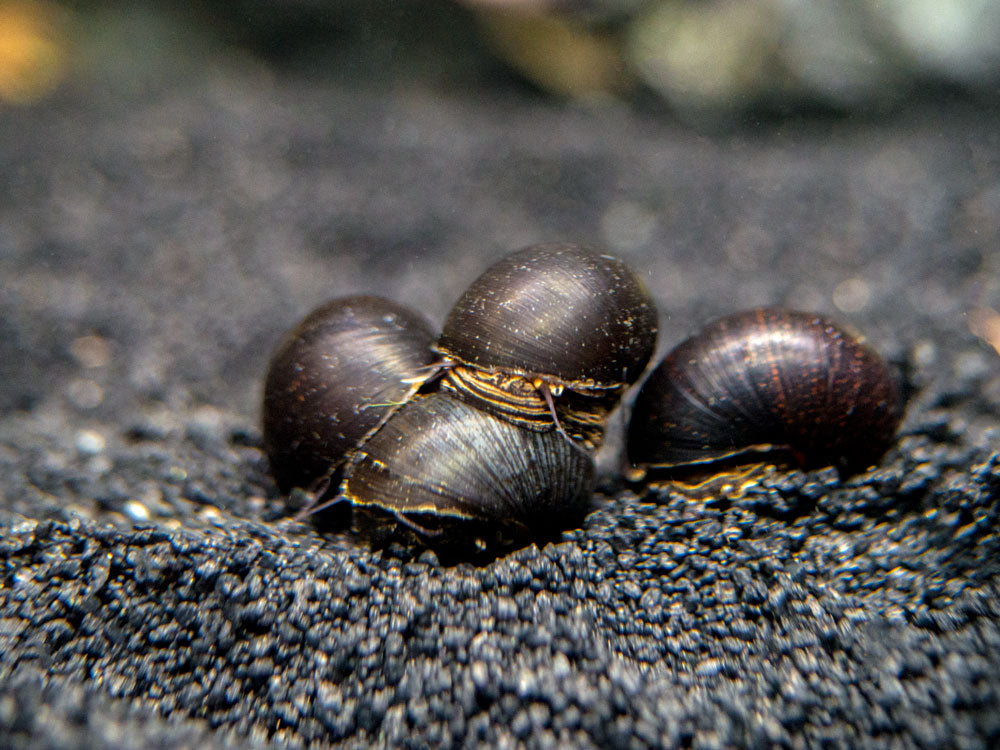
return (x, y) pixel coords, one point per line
(710, 62)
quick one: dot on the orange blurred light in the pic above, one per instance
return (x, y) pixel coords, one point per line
(33, 50)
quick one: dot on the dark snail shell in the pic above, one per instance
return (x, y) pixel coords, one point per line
(560, 310)
(561, 315)
(344, 369)
(764, 381)
(439, 460)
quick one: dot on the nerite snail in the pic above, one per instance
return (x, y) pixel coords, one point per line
(334, 379)
(439, 461)
(766, 382)
(550, 336)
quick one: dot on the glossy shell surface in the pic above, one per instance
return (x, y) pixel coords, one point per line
(440, 458)
(558, 310)
(344, 369)
(767, 380)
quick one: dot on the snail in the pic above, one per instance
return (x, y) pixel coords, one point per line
(766, 382)
(334, 379)
(550, 337)
(439, 462)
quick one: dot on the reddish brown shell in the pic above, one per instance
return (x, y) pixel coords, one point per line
(559, 310)
(439, 459)
(341, 372)
(762, 381)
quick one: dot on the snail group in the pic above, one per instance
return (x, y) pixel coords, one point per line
(491, 426)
